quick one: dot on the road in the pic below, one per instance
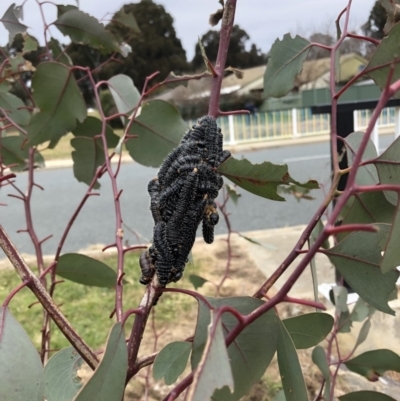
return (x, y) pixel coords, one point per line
(53, 207)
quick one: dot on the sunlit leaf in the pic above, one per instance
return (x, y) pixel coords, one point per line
(260, 179)
(85, 270)
(309, 329)
(289, 367)
(285, 63)
(171, 361)
(21, 371)
(30, 44)
(85, 29)
(159, 129)
(373, 364)
(60, 103)
(108, 380)
(249, 357)
(213, 370)
(61, 375)
(357, 258)
(124, 92)
(361, 310)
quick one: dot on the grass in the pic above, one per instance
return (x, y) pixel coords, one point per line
(88, 308)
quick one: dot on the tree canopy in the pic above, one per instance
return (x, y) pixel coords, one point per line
(374, 27)
(238, 56)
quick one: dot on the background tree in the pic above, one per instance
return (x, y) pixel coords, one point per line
(155, 48)
(374, 27)
(238, 56)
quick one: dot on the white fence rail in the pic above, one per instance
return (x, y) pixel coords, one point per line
(286, 124)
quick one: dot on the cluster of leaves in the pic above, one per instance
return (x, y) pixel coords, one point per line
(235, 338)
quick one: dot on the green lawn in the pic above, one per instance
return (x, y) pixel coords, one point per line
(88, 308)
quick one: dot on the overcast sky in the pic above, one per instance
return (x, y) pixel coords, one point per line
(263, 20)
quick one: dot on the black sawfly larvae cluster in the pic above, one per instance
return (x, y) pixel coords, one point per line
(181, 197)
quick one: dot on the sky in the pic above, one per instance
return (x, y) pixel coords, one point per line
(263, 20)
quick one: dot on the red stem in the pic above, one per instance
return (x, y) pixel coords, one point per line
(225, 35)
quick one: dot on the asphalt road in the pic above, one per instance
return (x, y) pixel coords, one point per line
(53, 207)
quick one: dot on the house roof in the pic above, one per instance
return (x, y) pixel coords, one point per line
(314, 72)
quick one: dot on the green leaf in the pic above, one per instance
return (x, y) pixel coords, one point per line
(249, 356)
(14, 109)
(279, 396)
(61, 375)
(159, 129)
(339, 294)
(388, 166)
(289, 367)
(316, 232)
(391, 256)
(357, 259)
(319, 358)
(234, 195)
(11, 23)
(85, 270)
(385, 56)
(260, 179)
(197, 281)
(14, 154)
(367, 208)
(372, 364)
(124, 92)
(58, 53)
(309, 329)
(89, 152)
(108, 380)
(171, 361)
(366, 175)
(363, 334)
(21, 371)
(85, 29)
(361, 310)
(30, 44)
(126, 19)
(366, 396)
(213, 371)
(285, 63)
(62, 9)
(60, 103)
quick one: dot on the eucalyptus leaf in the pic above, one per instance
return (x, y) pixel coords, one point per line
(197, 281)
(309, 329)
(319, 358)
(108, 380)
(61, 375)
(365, 396)
(85, 29)
(249, 356)
(10, 20)
(60, 103)
(85, 270)
(21, 371)
(260, 179)
(357, 258)
(289, 367)
(159, 129)
(171, 361)
(285, 63)
(213, 371)
(373, 364)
